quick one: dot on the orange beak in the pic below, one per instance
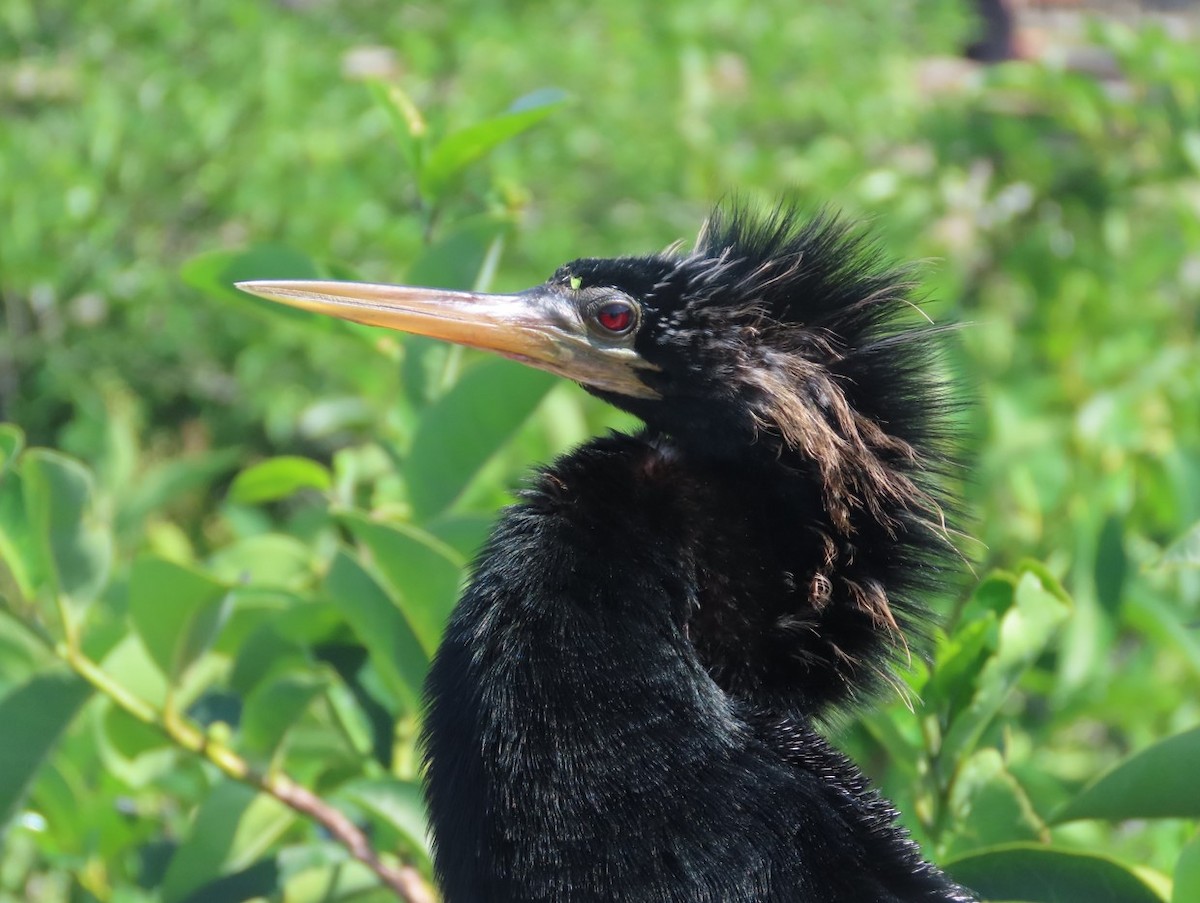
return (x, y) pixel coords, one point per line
(542, 327)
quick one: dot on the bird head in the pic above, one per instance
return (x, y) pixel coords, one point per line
(774, 333)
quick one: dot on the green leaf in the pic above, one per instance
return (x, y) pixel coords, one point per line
(1161, 622)
(134, 753)
(298, 858)
(1038, 608)
(459, 432)
(960, 658)
(268, 560)
(398, 803)
(34, 714)
(17, 550)
(21, 652)
(322, 875)
(175, 478)
(129, 664)
(1189, 143)
(277, 478)
(232, 828)
(395, 651)
(128, 736)
(458, 150)
(12, 440)
(1038, 874)
(215, 273)
(1187, 873)
(991, 807)
(1112, 564)
(422, 572)
(465, 533)
(76, 548)
(20, 559)
(263, 652)
(454, 261)
(255, 882)
(1185, 551)
(1157, 782)
(408, 125)
(176, 611)
(275, 706)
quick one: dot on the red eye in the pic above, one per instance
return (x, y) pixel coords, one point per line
(615, 316)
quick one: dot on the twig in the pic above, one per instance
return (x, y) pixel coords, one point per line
(405, 881)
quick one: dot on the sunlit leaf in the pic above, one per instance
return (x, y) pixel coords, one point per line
(275, 706)
(408, 125)
(991, 806)
(960, 657)
(231, 829)
(458, 150)
(316, 876)
(1187, 873)
(459, 432)
(1189, 142)
(398, 803)
(135, 753)
(453, 261)
(266, 651)
(1037, 874)
(77, 548)
(215, 273)
(1038, 609)
(176, 610)
(277, 478)
(378, 623)
(130, 664)
(17, 555)
(21, 558)
(1185, 551)
(173, 479)
(12, 440)
(268, 560)
(422, 572)
(1157, 782)
(465, 533)
(129, 736)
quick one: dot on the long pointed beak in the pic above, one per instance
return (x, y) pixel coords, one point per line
(540, 327)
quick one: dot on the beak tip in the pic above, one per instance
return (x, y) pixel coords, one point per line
(257, 287)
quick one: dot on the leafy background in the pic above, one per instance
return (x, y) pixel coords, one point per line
(229, 532)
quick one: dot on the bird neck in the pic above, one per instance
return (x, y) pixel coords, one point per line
(620, 708)
(802, 603)
(576, 748)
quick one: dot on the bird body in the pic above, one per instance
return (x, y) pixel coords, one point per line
(578, 747)
(626, 701)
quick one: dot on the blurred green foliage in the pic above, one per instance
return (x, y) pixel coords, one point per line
(254, 521)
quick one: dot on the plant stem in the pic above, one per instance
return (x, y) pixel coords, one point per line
(405, 881)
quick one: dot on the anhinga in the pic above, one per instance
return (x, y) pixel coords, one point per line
(624, 706)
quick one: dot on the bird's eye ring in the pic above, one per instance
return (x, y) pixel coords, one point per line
(617, 317)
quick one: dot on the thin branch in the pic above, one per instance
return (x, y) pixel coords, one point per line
(405, 881)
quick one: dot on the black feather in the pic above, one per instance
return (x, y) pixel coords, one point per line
(623, 706)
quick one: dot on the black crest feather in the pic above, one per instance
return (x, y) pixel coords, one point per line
(842, 379)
